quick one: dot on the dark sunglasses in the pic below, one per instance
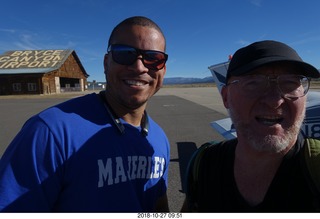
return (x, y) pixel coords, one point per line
(127, 55)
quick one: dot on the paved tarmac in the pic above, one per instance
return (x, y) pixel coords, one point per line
(184, 114)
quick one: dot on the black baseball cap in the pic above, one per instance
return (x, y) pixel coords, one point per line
(265, 52)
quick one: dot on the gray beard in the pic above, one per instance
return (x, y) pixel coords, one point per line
(268, 143)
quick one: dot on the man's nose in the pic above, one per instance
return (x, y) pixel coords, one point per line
(273, 95)
(138, 65)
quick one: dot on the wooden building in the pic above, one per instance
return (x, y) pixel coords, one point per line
(41, 72)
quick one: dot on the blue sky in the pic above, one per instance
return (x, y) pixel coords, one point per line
(199, 33)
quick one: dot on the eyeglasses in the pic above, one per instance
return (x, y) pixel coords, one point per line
(290, 86)
(127, 55)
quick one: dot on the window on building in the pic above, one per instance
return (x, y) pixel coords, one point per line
(16, 86)
(32, 87)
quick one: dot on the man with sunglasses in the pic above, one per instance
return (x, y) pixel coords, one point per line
(262, 170)
(100, 152)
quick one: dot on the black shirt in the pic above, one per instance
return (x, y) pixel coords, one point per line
(217, 191)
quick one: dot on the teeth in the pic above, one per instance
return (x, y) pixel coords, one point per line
(270, 120)
(271, 117)
(136, 83)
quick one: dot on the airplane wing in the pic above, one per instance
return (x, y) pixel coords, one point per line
(219, 73)
(311, 124)
(225, 128)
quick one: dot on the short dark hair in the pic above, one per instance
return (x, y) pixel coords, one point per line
(135, 20)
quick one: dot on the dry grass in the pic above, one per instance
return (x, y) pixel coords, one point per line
(315, 84)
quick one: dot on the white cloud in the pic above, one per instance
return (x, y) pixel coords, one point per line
(7, 30)
(243, 42)
(257, 3)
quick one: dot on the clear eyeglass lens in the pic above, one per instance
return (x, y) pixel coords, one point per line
(290, 86)
(293, 85)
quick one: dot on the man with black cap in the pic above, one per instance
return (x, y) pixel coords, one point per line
(262, 169)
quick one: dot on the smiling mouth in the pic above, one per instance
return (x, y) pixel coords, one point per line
(270, 121)
(135, 83)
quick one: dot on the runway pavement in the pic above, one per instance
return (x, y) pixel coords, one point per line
(184, 114)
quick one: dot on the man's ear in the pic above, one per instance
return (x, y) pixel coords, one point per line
(224, 95)
(105, 63)
(164, 70)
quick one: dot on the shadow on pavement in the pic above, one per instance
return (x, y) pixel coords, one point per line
(185, 152)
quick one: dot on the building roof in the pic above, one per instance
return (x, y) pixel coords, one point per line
(35, 61)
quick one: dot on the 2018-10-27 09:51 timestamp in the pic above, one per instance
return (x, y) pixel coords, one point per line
(159, 215)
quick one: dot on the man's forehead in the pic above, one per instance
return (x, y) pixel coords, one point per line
(142, 37)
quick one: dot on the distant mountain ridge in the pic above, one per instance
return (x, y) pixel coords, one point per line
(183, 80)
(170, 81)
